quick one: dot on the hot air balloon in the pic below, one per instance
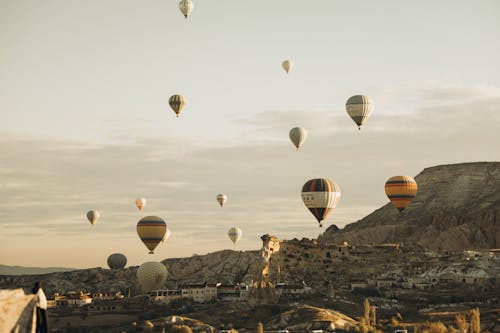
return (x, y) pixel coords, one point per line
(320, 195)
(235, 234)
(186, 7)
(167, 235)
(221, 199)
(298, 135)
(359, 108)
(152, 275)
(93, 216)
(117, 260)
(151, 230)
(140, 203)
(177, 103)
(401, 190)
(287, 65)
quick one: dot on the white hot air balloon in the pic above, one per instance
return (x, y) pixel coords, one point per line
(359, 108)
(186, 7)
(287, 65)
(167, 235)
(93, 216)
(298, 135)
(140, 203)
(152, 275)
(221, 199)
(235, 234)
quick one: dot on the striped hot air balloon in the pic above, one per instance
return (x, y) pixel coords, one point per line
(221, 199)
(151, 230)
(401, 190)
(320, 195)
(359, 108)
(177, 103)
(235, 234)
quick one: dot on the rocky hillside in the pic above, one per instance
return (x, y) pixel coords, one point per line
(456, 208)
(20, 270)
(225, 266)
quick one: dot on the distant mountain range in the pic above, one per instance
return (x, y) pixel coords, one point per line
(457, 208)
(19, 270)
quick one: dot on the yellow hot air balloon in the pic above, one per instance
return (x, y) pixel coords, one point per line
(177, 103)
(359, 108)
(298, 135)
(321, 196)
(152, 275)
(287, 65)
(186, 7)
(151, 230)
(140, 203)
(93, 216)
(235, 234)
(401, 190)
(221, 199)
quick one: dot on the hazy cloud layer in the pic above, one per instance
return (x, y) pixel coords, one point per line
(48, 185)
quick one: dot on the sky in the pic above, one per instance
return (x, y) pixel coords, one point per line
(84, 88)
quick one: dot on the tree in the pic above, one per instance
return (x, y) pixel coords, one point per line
(260, 328)
(366, 308)
(475, 321)
(462, 324)
(373, 316)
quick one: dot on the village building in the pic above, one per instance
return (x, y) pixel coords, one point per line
(233, 293)
(200, 293)
(292, 290)
(73, 299)
(107, 295)
(165, 295)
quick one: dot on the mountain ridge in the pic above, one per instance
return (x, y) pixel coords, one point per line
(456, 208)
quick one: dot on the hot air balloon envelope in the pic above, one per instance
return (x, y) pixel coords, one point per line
(298, 135)
(117, 260)
(140, 203)
(235, 234)
(359, 108)
(93, 216)
(151, 230)
(221, 199)
(152, 275)
(401, 190)
(321, 196)
(177, 103)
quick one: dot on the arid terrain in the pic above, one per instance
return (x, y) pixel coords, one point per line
(436, 260)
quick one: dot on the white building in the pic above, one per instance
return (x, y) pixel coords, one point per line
(200, 293)
(285, 289)
(164, 295)
(73, 299)
(232, 293)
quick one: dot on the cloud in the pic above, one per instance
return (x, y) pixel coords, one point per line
(48, 185)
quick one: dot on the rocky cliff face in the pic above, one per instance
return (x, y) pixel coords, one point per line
(456, 208)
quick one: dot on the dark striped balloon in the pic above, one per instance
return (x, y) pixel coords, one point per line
(401, 190)
(321, 196)
(151, 230)
(177, 103)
